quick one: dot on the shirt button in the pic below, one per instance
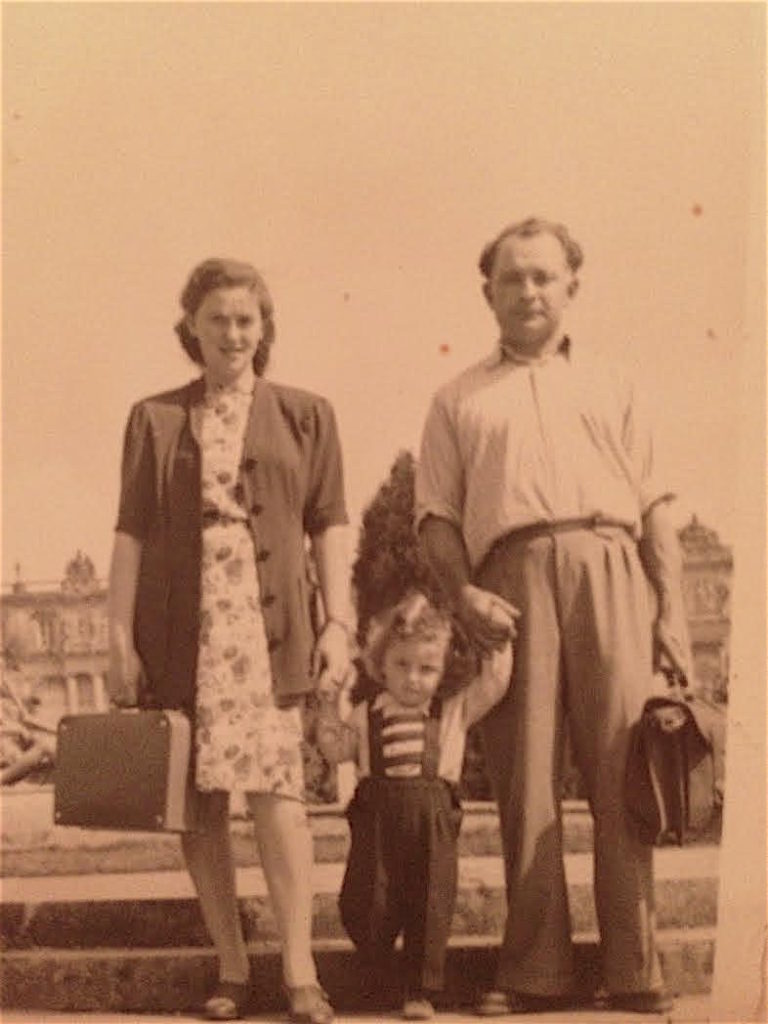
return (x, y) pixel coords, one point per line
(262, 555)
(268, 600)
(273, 643)
(257, 509)
(248, 464)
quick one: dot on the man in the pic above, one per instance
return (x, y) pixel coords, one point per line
(536, 495)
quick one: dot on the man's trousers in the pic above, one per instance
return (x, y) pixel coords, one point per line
(584, 649)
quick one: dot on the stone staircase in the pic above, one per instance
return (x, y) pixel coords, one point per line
(108, 921)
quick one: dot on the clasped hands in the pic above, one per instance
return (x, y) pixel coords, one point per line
(488, 619)
(332, 659)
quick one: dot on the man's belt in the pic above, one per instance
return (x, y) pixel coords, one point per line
(543, 528)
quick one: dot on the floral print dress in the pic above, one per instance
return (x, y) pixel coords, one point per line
(243, 740)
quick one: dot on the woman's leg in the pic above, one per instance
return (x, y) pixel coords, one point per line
(285, 845)
(209, 860)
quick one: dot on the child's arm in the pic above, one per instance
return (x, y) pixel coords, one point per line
(336, 739)
(490, 685)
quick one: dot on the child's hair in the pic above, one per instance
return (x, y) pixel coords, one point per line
(412, 618)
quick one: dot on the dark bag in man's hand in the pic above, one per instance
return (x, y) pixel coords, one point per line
(675, 766)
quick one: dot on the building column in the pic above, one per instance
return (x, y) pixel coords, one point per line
(100, 699)
(73, 702)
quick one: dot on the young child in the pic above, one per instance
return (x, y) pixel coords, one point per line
(408, 745)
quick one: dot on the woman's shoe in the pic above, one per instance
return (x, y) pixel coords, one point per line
(229, 1001)
(656, 1001)
(309, 1005)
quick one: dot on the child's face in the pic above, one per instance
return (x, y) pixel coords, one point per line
(413, 670)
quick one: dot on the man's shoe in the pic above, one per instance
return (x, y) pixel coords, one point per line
(309, 1005)
(493, 1004)
(229, 1001)
(499, 1003)
(640, 1002)
(417, 1007)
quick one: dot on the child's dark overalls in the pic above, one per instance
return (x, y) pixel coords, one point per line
(403, 863)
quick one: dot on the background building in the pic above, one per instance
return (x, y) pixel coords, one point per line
(56, 633)
(707, 582)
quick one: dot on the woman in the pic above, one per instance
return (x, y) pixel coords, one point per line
(222, 480)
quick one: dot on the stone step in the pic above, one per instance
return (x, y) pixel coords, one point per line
(159, 909)
(108, 921)
(177, 980)
(38, 847)
(33, 845)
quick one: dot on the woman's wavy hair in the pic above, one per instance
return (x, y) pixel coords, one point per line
(225, 273)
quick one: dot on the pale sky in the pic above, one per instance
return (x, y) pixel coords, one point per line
(361, 155)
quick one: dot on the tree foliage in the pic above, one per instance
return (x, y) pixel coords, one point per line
(389, 560)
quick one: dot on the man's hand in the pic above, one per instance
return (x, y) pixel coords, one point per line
(660, 554)
(670, 647)
(331, 660)
(124, 670)
(488, 619)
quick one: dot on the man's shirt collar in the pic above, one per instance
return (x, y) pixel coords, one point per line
(503, 355)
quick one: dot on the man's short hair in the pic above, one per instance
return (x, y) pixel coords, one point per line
(527, 228)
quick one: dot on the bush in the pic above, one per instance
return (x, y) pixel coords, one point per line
(389, 563)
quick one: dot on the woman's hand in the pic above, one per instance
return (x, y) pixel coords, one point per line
(124, 665)
(331, 658)
(124, 669)
(489, 620)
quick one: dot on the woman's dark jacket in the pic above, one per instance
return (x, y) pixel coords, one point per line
(292, 485)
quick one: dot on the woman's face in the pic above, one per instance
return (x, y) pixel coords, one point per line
(228, 326)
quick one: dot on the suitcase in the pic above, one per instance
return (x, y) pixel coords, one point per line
(125, 769)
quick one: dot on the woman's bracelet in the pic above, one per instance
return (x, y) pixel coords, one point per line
(331, 620)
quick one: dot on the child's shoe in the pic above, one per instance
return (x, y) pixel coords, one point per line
(416, 1006)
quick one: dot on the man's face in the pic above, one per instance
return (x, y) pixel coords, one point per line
(529, 288)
